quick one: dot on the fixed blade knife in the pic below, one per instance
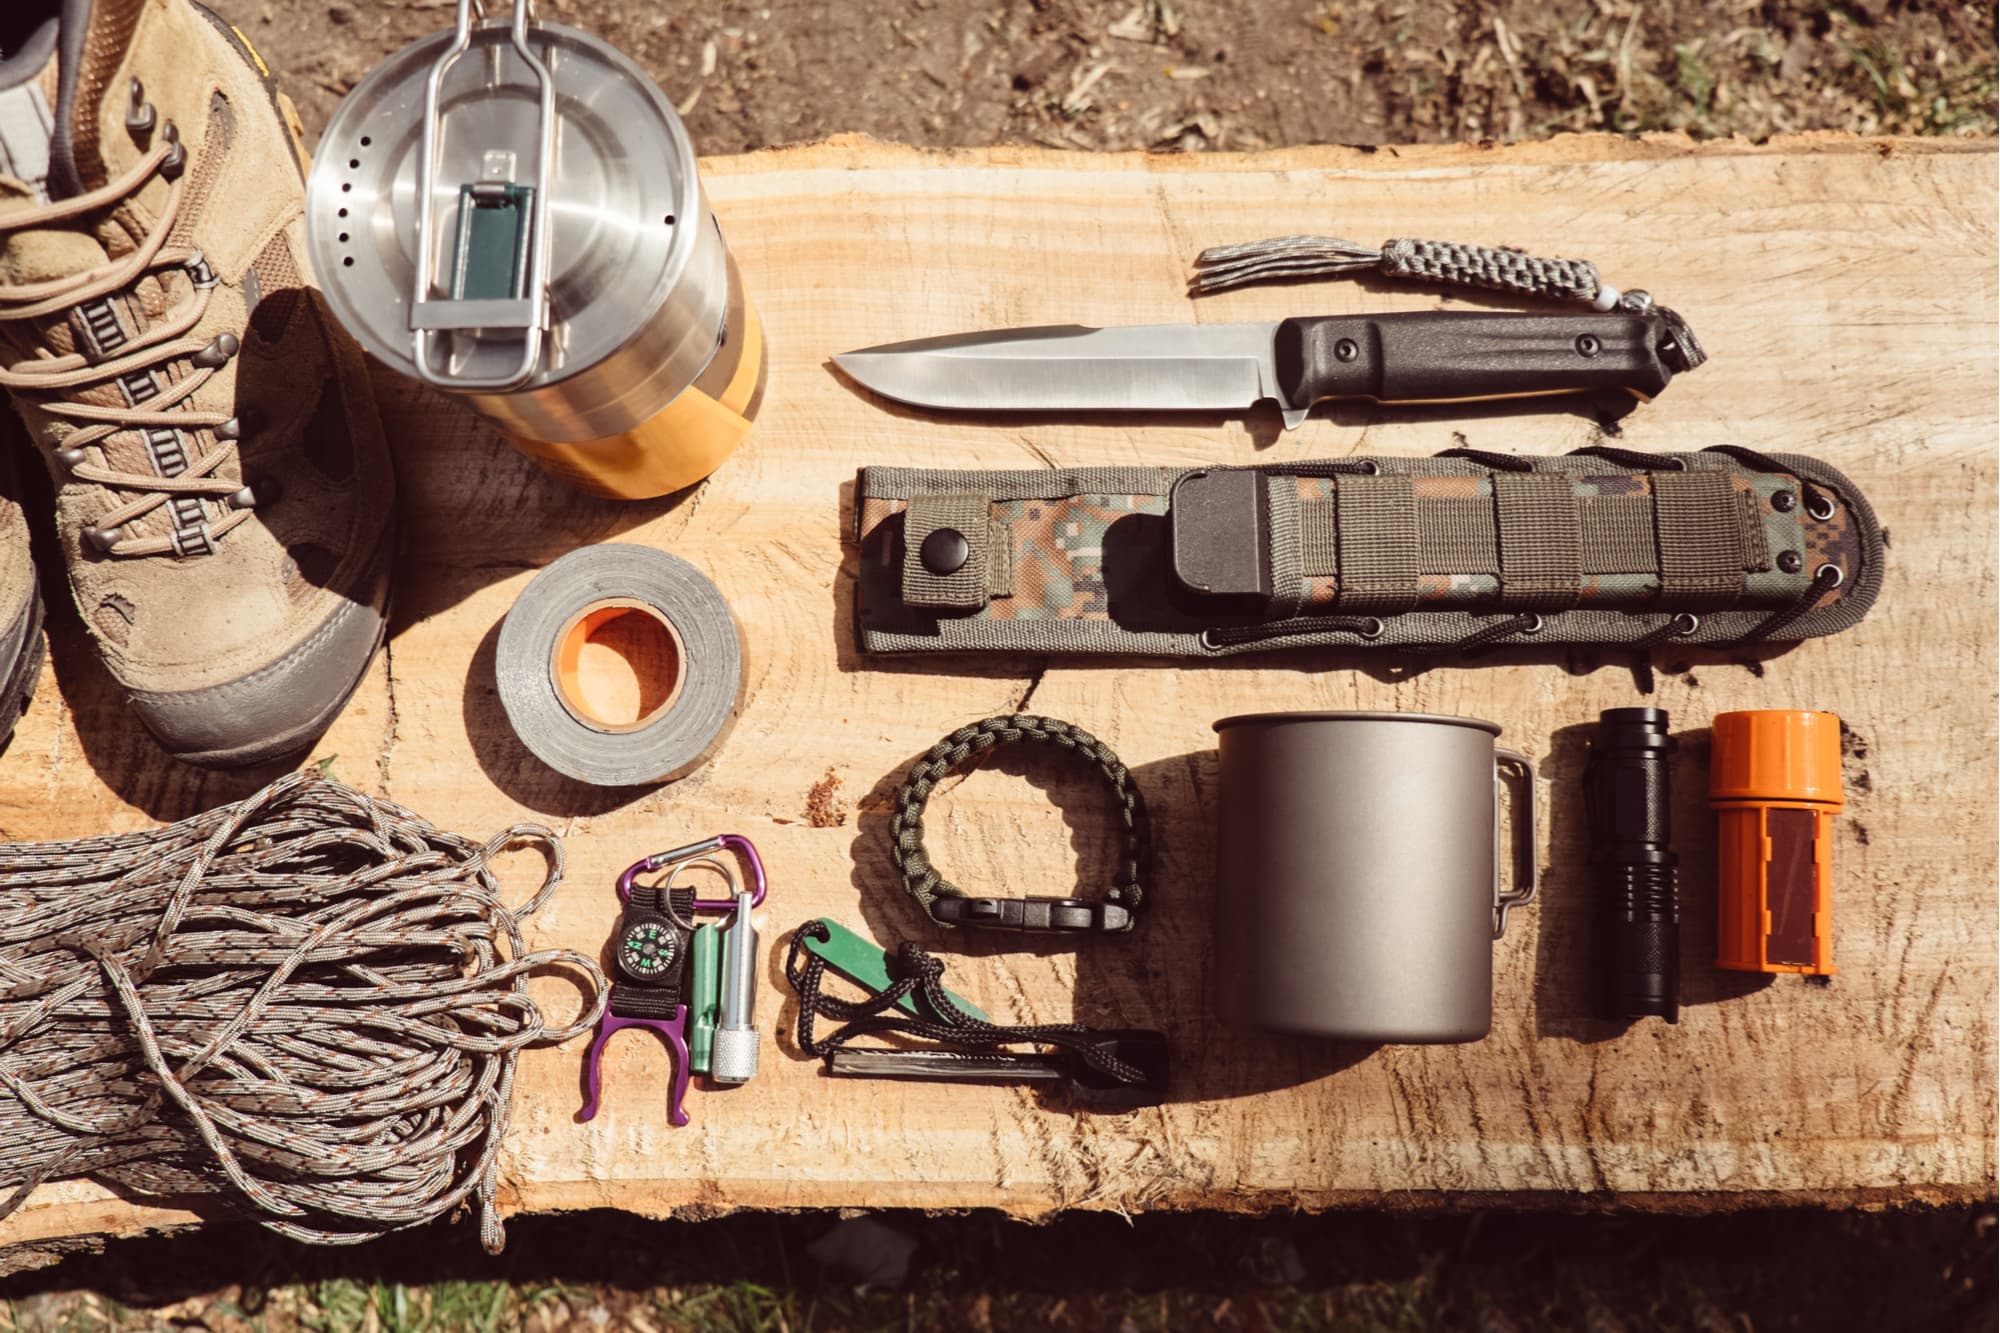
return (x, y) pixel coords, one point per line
(1410, 357)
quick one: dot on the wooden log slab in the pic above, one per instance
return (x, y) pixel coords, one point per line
(1846, 290)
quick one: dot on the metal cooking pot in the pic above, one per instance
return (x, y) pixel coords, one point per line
(510, 213)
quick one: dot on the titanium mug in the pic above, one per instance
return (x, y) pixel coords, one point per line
(1358, 887)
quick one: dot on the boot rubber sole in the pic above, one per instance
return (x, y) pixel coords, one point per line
(20, 684)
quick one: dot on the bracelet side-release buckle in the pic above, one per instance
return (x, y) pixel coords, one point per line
(1039, 915)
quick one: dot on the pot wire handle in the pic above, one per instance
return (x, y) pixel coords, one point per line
(525, 310)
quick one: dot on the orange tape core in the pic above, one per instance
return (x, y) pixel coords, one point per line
(618, 665)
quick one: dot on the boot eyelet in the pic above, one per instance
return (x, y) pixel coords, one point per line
(71, 458)
(257, 494)
(103, 539)
(140, 118)
(220, 348)
(242, 426)
(175, 161)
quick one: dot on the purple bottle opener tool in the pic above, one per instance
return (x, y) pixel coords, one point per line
(651, 952)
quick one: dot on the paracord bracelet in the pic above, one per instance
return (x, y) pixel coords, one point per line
(948, 904)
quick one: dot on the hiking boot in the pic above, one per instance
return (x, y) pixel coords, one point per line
(20, 606)
(223, 495)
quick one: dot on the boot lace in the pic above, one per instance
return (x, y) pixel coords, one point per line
(49, 379)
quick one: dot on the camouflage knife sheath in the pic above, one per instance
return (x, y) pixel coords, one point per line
(1606, 546)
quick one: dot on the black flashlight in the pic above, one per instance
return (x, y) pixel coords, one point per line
(1638, 895)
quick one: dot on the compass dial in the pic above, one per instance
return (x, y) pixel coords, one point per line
(647, 949)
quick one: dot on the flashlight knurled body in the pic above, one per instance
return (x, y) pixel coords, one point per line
(1629, 798)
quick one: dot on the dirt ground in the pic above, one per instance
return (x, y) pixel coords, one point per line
(1753, 1272)
(1223, 74)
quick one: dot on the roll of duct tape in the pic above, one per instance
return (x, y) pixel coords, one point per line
(619, 666)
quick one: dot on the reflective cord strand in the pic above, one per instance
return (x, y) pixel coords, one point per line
(1816, 501)
(1825, 579)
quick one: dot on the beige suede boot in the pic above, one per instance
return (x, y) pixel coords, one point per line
(223, 492)
(21, 645)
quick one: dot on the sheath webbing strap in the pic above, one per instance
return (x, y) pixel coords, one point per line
(999, 560)
(1284, 558)
(1455, 535)
(964, 748)
(1378, 544)
(963, 589)
(1540, 549)
(1319, 538)
(1700, 532)
(1458, 534)
(1617, 535)
(1756, 542)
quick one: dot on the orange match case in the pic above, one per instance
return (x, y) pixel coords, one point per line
(1775, 785)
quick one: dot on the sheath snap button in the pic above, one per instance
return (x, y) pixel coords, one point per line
(945, 551)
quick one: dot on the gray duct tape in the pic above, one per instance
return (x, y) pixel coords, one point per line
(539, 644)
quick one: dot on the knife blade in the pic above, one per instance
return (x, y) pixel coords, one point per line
(1414, 356)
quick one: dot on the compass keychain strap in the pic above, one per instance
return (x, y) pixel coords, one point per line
(632, 1000)
(1451, 553)
(1450, 263)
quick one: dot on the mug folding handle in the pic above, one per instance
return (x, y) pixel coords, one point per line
(1523, 890)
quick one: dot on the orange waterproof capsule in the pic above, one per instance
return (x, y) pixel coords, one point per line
(1774, 783)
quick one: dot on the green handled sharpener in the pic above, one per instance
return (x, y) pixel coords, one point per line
(862, 963)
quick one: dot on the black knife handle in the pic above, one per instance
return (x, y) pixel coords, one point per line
(1433, 355)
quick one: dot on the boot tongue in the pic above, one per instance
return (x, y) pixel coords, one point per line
(34, 254)
(94, 37)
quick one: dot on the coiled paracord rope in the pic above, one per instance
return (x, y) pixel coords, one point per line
(310, 1001)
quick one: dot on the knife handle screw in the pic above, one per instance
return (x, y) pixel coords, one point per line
(1346, 350)
(1587, 344)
